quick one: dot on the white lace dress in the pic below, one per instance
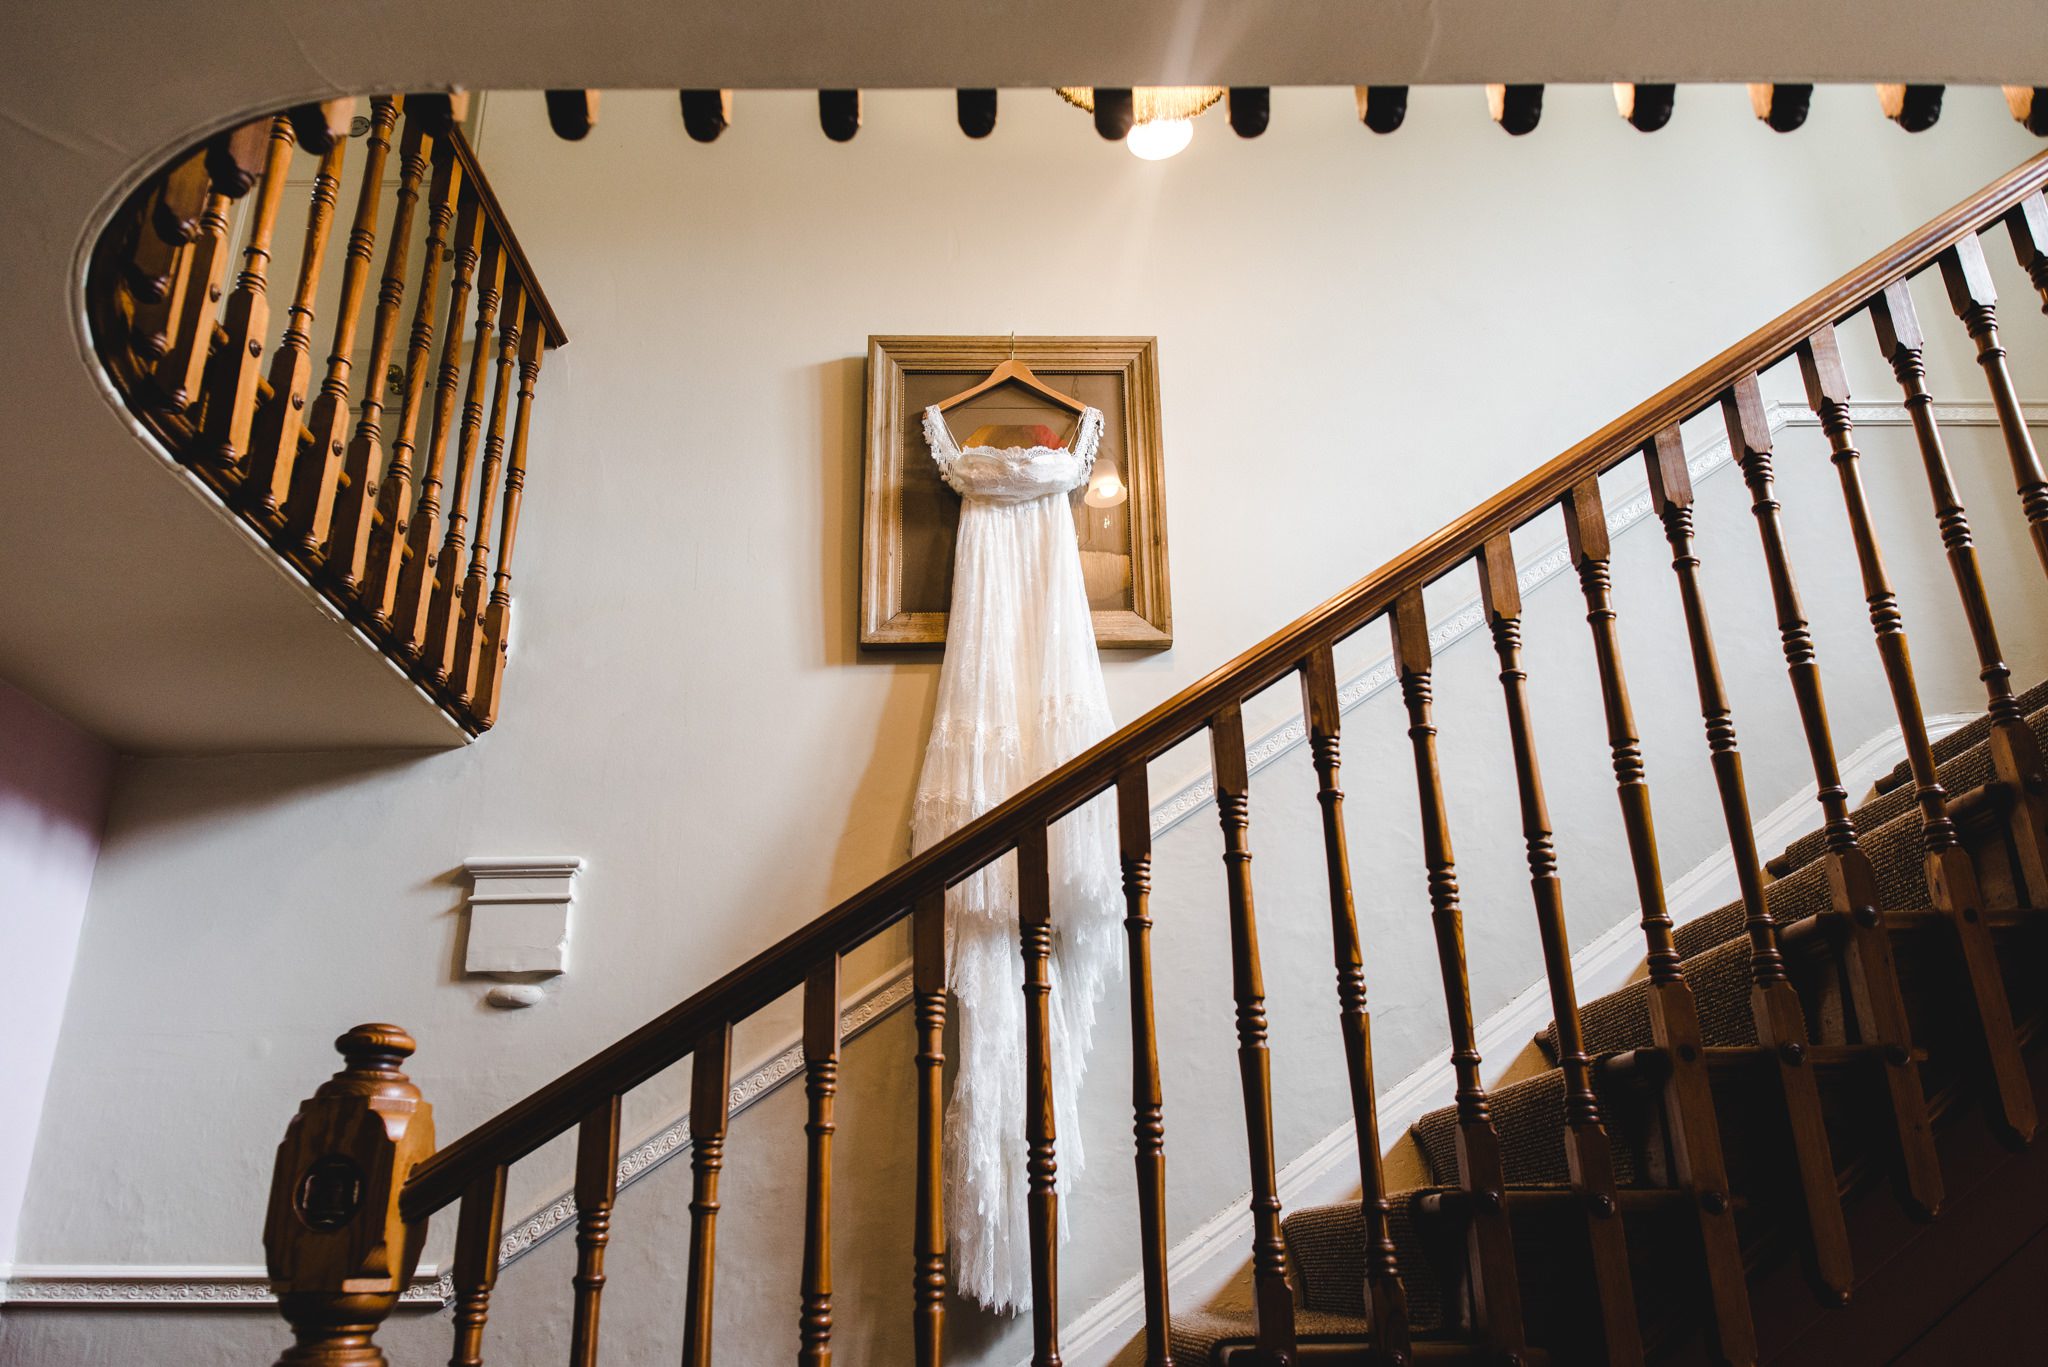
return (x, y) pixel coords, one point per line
(1020, 693)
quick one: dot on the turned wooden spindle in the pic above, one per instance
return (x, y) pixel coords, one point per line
(438, 647)
(339, 1252)
(1589, 1157)
(464, 650)
(490, 679)
(1386, 1300)
(323, 124)
(408, 627)
(478, 1230)
(1878, 1006)
(1968, 277)
(274, 436)
(181, 198)
(821, 1086)
(152, 251)
(389, 542)
(233, 371)
(1272, 1293)
(317, 478)
(348, 545)
(1490, 1253)
(1148, 1115)
(2027, 225)
(1689, 1118)
(1042, 1197)
(928, 1003)
(235, 158)
(2015, 752)
(710, 1112)
(1951, 875)
(157, 276)
(597, 1190)
(189, 329)
(1780, 1019)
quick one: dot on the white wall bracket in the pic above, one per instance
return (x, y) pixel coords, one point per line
(519, 923)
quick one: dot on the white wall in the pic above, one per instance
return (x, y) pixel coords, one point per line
(1361, 337)
(54, 780)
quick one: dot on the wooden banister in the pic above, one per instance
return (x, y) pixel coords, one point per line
(226, 381)
(781, 968)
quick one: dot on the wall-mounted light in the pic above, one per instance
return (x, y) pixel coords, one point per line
(1161, 117)
(1105, 491)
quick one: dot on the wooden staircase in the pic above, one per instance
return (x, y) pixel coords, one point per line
(1822, 1029)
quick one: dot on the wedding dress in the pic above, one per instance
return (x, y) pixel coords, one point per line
(1020, 693)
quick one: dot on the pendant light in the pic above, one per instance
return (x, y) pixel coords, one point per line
(1162, 117)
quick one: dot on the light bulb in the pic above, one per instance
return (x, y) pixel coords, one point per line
(1160, 138)
(1105, 491)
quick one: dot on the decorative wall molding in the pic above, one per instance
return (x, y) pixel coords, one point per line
(174, 1285)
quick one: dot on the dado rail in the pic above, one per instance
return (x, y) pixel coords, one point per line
(381, 476)
(358, 1175)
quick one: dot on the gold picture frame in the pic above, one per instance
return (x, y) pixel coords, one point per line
(908, 514)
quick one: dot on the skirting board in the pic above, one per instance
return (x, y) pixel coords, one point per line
(1313, 1172)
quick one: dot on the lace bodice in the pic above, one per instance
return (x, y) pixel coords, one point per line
(1013, 474)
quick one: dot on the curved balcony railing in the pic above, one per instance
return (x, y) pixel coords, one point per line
(386, 476)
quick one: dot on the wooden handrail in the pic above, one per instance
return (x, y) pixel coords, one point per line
(556, 1107)
(187, 354)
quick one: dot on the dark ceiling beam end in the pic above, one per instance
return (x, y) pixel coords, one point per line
(977, 111)
(1915, 108)
(572, 113)
(1646, 107)
(1115, 112)
(1251, 109)
(839, 114)
(706, 113)
(1781, 107)
(1382, 108)
(1516, 108)
(2029, 105)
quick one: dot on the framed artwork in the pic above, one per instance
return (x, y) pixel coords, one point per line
(909, 515)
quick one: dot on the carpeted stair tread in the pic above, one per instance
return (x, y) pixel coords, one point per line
(1326, 1248)
(1963, 738)
(1529, 1118)
(1960, 770)
(1897, 854)
(1720, 989)
(1196, 1336)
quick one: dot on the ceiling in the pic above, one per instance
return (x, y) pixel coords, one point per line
(130, 604)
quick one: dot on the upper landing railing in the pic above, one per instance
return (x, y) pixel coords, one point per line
(377, 476)
(358, 1176)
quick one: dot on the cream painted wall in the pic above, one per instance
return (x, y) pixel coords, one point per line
(54, 781)
(1361, 337)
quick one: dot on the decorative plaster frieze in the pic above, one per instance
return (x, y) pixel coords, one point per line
(55, 1284)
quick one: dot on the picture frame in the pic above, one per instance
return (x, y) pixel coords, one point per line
(908, 514)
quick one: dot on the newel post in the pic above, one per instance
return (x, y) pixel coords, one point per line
(339, 1252)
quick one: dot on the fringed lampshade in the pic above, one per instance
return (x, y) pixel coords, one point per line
(1152, 103)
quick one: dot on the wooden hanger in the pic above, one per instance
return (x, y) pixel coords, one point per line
(1014, 371)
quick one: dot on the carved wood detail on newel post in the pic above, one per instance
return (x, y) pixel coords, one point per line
(339, 1252)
